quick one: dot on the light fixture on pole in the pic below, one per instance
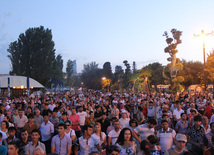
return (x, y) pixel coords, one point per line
(203, 35)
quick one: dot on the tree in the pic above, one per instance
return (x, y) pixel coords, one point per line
(69, 73)
(58, 66)
(107, 72)
(33, 55)
(134, 67)
(210, 66)
(175, 62)
(192, 71)
(127, 74)
(117, 78)
(91, 76)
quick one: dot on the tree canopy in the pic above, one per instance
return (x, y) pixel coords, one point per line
(33, 54)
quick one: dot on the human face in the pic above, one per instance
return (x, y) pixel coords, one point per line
(68, 125)
(3, 125)
(205, 120)
(184, 117)
(61, 130)
(37, 112)
(35, 136)
(89, 131)
(127, 135)
(97, 128)
(165, 125)
(11, 133)
(180, 144)
(92, 115)
(20, 113)
(24, 135)
(198, 123)
(12, 150)
(73, 111)
(46, 118)
(151, 125)
(116, 125)
(124, 115)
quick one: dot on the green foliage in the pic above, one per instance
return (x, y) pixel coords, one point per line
(210, 66)
(58, 66)
(91, 76)
(107, 72)
(192, 72)
(126, 74)
(33, 55)
(69, 73)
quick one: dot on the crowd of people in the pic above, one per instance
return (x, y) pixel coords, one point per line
(87, 122)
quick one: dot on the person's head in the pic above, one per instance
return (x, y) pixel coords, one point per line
(164, 124)
(94, 153)
(113, 150)
(183, 116)
(124, 114)
(197, 120)
(212, 127)
(35, 135)
(4, 125)
(46, 106)
(133, 123)
(113, 119)
(68, 125)
(61, 128)
(24, 134)
(152, 122)
(116, 124)
(165, 117)
(80, 108)
(104, 116)
(38, 151)
(29, 109)
(97, 127)
(37, 112)
(73, 111)
(64, 115)
(193, 112)
(178, 105)
(91, 113)
(125, 135)
(152, 140)
(205, 120)
(54, 113)
(11, 131)
(145, 147)
(46, 118)
(180, 141)
(87, 130)
(13, 148)
(20, 112)
(30, 118)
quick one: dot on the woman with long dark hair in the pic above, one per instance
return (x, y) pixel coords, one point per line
(126, 143)
(144, 148)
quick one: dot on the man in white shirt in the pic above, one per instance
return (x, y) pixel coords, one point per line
(124, 121)
(82, 115)
(177, 112)
(113, 134)
(20, 120)
(47, 130)
(166, 136)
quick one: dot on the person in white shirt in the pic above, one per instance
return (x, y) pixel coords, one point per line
(113, 134)
(82, 115)
(47, 130)
(124, 121)
(177, 112)
(166, 136)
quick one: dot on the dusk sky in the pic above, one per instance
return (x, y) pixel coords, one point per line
(109, 30)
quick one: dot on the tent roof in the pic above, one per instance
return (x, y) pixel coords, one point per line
(17, 81)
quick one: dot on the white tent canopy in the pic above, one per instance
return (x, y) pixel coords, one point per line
(18, 81)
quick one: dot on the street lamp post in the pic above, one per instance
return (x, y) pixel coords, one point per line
(204, 35)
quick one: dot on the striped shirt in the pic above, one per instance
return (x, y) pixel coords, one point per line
(166, 138)
(144, 131)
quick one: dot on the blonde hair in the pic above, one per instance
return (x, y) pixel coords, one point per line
(97, 123)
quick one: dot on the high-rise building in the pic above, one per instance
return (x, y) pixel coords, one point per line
(74, 66)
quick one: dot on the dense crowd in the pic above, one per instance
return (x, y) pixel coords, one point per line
(87, 122)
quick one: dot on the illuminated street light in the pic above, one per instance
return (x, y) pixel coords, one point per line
(203, 36)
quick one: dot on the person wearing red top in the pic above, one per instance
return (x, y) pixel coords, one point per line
(75, 120)
(208, 110)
